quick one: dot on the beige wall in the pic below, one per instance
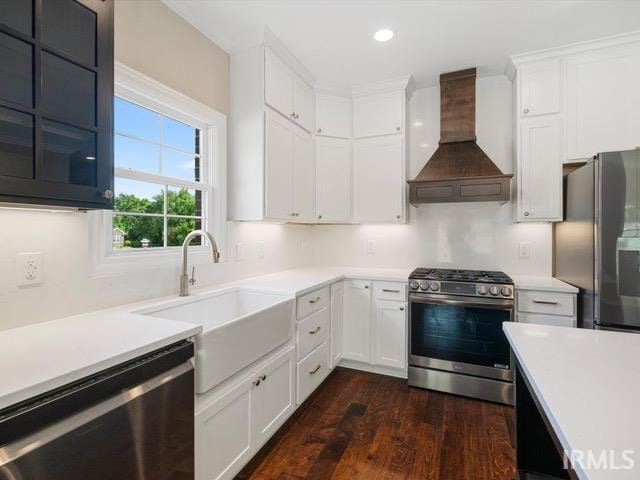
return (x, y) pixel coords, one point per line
(153, 39)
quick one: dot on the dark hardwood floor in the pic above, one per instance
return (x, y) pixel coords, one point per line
(361, 425)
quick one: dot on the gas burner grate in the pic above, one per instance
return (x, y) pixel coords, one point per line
(444, 274)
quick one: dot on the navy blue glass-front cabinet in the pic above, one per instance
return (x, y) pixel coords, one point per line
(56, 102)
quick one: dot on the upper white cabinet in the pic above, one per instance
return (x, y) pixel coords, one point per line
(379, 179)
(356, 326)
(286, 92)
(333, 116)
(539, 85)
(378, 114)
(602, 102)
(333, 180)
(539, 169)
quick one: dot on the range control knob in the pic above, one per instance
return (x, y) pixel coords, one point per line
(505, 291)
(424, 285)
(483, 290)
(434, 286)
(494, 291)
(413, 285)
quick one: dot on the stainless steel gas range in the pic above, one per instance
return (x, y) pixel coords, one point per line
(456, 341)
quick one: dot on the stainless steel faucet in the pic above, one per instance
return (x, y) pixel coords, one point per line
(184, 278)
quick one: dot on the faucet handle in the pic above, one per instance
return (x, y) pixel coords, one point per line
(192, 281)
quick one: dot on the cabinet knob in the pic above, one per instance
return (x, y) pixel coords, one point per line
(108, 194)
(397, 129)
(319, 130)
(402, 309)
(526, 214)
(366, 286)
(292, 115)
(526, 110)
(398, 217)
(319, 216)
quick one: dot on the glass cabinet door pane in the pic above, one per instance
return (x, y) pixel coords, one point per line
(16, 144)
(17, 14)
(70, 27)
(68, 91)
(69, 154)
(16, 71)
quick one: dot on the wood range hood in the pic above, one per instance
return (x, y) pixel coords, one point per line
(459, 171)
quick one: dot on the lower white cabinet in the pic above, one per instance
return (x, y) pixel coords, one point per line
(390, 333)
(546, 308)
(337, 315)
(357, 321)
(312, 370)
(235, 423)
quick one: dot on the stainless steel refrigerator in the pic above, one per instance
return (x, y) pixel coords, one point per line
(597, 246)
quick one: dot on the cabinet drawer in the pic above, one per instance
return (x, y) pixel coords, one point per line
(546, 302)
(390, 291)
(312, 331)
(553, 320)
(312, 371)
(312, 302)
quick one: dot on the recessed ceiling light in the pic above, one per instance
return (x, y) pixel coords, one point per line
(383, 35)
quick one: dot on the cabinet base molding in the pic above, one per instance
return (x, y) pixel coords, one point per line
(367, 367)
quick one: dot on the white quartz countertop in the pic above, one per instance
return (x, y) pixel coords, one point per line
(588, 384)
(542, 283)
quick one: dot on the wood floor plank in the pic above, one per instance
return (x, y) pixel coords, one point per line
(360, 425)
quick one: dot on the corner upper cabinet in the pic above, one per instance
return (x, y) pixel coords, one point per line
(333, 116)
(378, 114)
(56, 103)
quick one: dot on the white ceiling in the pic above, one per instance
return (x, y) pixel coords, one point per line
(334, 39)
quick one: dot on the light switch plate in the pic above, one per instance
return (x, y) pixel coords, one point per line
(29, 268)
(524, 250)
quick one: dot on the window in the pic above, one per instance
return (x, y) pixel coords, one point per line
(170, 178)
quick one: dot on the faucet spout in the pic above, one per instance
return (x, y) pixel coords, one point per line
(184, 277)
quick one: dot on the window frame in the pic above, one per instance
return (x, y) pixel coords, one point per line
(146, 92)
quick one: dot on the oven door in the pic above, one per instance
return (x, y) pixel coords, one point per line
(460, 334)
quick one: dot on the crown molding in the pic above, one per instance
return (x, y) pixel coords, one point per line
(183, 10)
(404, 83)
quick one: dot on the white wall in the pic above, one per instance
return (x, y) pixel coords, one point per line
(69, 288)
(464, 235)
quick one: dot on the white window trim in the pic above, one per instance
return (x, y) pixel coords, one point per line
(138, 88)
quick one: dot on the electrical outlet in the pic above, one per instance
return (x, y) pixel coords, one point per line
(524, 250)
(371, 247)
(29, 268)
(241, 251)
(260, 250)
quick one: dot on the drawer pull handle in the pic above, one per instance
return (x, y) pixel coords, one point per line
(545, 302)
(315, 330)
(317, 299)
(260, 379)
(315, 370)
(387, 290)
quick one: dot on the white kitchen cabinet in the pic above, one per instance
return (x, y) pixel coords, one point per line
(546, 308)
(333, 180)
(539, 169)
(333, 116)
(378, 114)
(303, 104)
(274, 397)
(337, 315)
(390, 333)
(278, 84)
(279, 134)
(379, 179)
(312, 370)
(304, 177)
(357, 321)
(539, 85)
(602, 101)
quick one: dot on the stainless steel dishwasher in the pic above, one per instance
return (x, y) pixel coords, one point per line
(130, 422)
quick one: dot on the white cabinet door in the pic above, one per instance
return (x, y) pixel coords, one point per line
(337, 312)
(278, 167)
(304, 176)
(333, 116)
(303, 104)
(601, 102)
(390, 333)
(539, 88)
(379, 179)
(278, 84)
(379, 114)
(223, 434)
(357, 321)
(540, 169)
(333, 180)
(273, 396)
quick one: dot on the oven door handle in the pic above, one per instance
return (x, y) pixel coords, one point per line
(492, 303)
